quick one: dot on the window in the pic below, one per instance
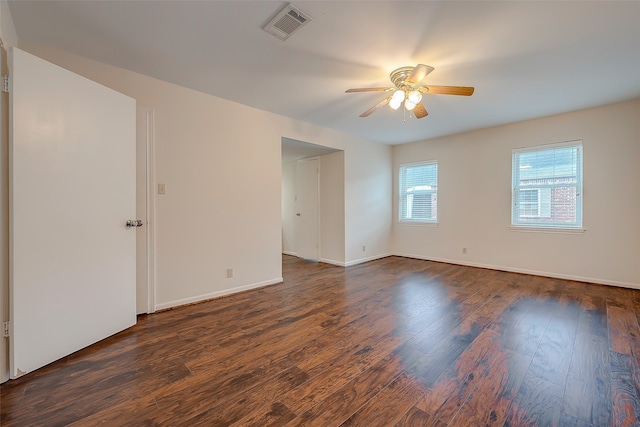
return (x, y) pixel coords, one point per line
(419, 192)
(535, 202)
(547, 186)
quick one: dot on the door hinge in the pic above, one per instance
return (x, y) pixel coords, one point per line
(5, 83)
(6, 330)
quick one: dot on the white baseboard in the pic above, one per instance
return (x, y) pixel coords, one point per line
(345, 264)
(354, 262)
(525, 271)
(290, 253)
(332, 262)
(362, 260)
(217, 294)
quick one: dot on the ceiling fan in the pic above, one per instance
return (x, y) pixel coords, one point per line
(407, 90)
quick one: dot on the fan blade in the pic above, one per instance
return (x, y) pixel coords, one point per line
(419, 111)
(448, 90)
(369, 89)
(419, 73)
(378, 105)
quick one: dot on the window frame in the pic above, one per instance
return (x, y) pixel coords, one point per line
(402, 193)
(516, 188)
(530, 203)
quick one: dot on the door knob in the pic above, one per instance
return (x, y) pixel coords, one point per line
(134, 223)
(298, 214)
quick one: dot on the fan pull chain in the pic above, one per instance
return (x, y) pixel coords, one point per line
(404, 115)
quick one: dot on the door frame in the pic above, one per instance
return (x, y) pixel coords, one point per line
(150, 201)
(4, 216)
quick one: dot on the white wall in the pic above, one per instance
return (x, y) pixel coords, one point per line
(368, 194)
(221, 165)
(332, 214)
(367, 188)
(474, 199)
(8, 33)
(9, 38)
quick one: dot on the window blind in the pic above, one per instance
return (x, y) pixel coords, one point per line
(419, 192)
(547, 186)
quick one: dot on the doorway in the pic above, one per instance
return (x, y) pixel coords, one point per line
(330, 190)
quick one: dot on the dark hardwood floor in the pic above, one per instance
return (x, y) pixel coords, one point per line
(393, 342)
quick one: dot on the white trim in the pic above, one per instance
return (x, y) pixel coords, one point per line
(332, 262)
(418, 223)
(290, 253)
(319, 204)
(552, 230)
(151, 213)
(525, 271)
(9, 173)
(548, 146)
(213, 295)
(418, 163)
(363, 260)
(4, 167)
(217, 294)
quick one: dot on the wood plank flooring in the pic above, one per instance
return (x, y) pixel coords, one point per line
(393, 342)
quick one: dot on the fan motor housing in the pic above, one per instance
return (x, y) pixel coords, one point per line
(399, 77)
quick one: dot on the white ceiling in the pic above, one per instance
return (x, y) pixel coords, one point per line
(525, 59)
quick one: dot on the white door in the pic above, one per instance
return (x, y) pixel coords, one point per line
(72, 189)
(307, 192)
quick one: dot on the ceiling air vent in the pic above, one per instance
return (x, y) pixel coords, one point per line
(286, 22)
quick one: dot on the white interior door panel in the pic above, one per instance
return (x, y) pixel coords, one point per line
(72, 189)
(307, 193)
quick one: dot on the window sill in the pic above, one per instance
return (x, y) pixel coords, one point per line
(552, 230)
(418, 223)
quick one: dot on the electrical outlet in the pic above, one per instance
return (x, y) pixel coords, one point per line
(364, 248)
(229, 273)
(162, 189)
(464, 250)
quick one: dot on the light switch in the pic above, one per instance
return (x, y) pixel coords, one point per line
(162, 189)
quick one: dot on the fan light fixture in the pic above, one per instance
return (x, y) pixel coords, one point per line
(406, 88)
(396, 99)
(414, 96)
(410, 98)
